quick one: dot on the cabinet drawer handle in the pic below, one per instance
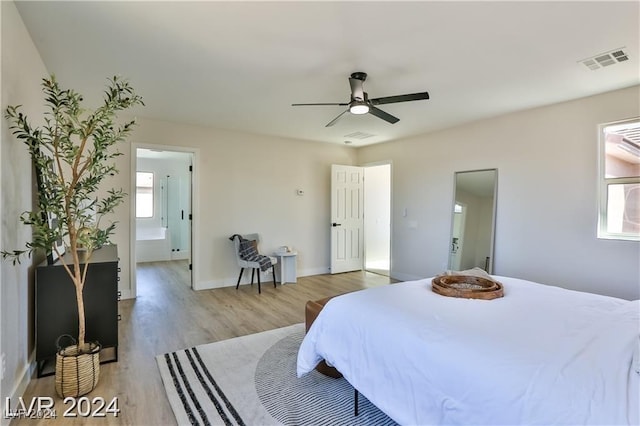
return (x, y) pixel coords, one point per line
(118, 278)
(119, 269)
(119, 317)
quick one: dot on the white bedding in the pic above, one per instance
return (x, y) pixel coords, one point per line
(539, 355)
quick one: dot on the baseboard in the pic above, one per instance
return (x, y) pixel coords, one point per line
(404, 277)
(125, 294)
(246, 278)
(211, 284)
(20, 388)
(313, 271)
(180, 255)
(231, 281)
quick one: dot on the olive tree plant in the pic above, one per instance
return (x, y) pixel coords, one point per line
(73, 153)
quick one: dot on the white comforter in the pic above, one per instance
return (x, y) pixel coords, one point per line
(539, 355)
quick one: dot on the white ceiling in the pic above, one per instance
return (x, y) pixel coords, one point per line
(240, 65)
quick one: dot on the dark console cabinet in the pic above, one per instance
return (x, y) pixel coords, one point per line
(57, 312)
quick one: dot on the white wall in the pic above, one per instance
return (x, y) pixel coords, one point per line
(247, 183)
(22, 72)
(546, 206)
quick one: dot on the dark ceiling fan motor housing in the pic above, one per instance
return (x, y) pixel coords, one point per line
(361, 104)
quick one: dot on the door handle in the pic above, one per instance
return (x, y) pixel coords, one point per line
(335, 224)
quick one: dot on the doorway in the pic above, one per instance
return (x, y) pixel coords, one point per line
(361, 218)
(377, 218)
(163, 185)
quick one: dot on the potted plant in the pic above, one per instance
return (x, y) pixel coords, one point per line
(73, 154)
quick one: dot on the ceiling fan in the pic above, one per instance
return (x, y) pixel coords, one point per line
(361, 104)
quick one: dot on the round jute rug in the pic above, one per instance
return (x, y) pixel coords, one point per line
(313, 399)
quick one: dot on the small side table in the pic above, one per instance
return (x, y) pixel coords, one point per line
(288, 267)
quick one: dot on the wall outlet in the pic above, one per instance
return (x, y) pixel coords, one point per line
(4, 366)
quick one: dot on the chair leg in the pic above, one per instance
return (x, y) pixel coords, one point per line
(273, 269)
(253, 271)
(239, 278)
(259, 291)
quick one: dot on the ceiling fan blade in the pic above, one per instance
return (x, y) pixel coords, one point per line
(334, 104)
(400, 98)
(332, 122)
(357, 91)
(381, 114)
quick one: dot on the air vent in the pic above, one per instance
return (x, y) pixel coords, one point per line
(358, 135)
(605, 59)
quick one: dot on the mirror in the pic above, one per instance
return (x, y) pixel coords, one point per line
(473, 220)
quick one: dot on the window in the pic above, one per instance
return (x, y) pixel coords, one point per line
(619, 199)
(144, 194)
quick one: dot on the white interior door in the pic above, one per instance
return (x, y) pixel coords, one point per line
(347, 218)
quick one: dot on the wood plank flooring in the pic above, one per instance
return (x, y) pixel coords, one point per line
(168, 315)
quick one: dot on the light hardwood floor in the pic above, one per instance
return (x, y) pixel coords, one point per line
(167, 315)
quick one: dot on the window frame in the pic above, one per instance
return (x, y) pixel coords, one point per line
(153, 189)
(604, 183)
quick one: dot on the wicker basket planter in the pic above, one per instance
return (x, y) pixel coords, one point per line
(466, 286)
(77, 369)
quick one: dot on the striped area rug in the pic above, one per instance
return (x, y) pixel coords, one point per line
(251, 380)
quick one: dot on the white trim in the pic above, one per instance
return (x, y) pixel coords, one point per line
(19, 388)
(405, 277)
(603, 183)
(313, 271)
(195, 209)
(231, 281)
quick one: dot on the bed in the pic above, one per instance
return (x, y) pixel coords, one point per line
(539, 355)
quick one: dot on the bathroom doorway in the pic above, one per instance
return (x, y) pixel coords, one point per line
(163, 207)
(377, 218)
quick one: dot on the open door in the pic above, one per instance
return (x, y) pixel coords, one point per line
(347, 218)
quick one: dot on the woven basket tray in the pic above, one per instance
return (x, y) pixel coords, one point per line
(466, 286)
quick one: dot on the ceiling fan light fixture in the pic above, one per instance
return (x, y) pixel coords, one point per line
(359, 108)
